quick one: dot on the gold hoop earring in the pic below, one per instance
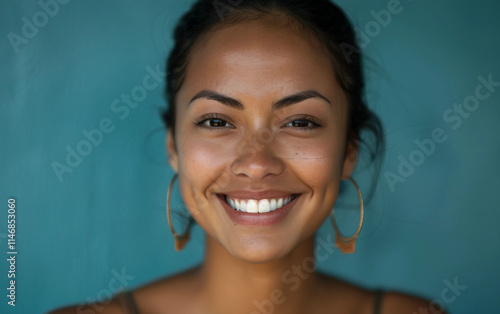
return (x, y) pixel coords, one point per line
(347, 245)
(179, 240)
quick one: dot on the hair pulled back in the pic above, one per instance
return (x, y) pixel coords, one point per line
(320, 18)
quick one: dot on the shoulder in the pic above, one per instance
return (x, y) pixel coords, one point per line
(175, 293)
(112, 306)
(355, 299)
(170, 292)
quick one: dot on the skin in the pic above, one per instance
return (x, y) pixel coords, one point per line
(218, 161)
(258, 148)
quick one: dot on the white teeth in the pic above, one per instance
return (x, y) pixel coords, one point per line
(258, 206)
(272, 204)
(264, 206)
(252, 206)
(279, 203)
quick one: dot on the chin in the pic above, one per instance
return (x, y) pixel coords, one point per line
(257, 250)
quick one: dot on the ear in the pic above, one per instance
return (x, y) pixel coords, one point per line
(350, 159)
(173, 158)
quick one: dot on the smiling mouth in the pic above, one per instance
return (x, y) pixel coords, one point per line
(253, 206)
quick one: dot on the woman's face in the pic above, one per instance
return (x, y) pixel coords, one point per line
(260, 126)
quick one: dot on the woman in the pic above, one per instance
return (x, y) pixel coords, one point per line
(266, 112)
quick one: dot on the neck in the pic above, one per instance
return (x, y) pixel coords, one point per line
(236, 286)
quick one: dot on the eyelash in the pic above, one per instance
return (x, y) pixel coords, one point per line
(308, 119)
(213, 116)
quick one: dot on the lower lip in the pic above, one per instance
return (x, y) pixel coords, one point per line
(257, 219)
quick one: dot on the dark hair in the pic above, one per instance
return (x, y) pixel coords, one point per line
(320, 18)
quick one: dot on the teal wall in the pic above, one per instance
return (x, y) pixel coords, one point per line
(428, 225)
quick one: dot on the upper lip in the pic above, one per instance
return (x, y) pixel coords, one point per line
(258, 195)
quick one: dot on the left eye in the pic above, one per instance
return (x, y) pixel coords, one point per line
(301, 123)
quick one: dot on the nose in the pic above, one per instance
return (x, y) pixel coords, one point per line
(256, 160)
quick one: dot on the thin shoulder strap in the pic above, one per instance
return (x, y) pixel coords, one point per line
(127, 302)
(378, 301)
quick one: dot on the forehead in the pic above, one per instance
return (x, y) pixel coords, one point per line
(260, 58)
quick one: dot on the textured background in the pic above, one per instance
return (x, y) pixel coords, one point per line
(424, 229)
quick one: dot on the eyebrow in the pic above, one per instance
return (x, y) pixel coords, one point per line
(281, 103)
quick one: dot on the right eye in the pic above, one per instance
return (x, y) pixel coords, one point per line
(216, 123)
(212, 121)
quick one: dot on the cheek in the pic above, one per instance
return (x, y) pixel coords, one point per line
(310, 151)
(322, 175)
(320, 154)
(203, 159)
(202, 168)
(320, 168)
